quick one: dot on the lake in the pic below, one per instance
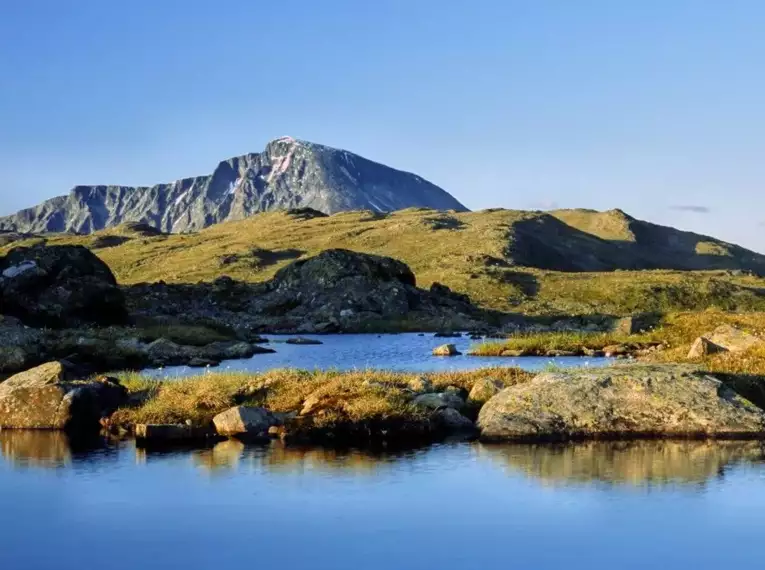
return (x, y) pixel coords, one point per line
(402, 352)
(452, 506)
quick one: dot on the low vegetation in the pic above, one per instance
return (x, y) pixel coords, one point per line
(542, 343)
(490, 255)
(342, 396)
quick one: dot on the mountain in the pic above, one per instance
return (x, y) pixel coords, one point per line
(289, 173)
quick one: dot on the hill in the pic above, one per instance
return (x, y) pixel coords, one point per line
(288, 174)
(566, 261)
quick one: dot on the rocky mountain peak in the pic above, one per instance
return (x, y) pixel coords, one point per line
(289, 173)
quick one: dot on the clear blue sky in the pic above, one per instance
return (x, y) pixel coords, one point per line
(653, 106)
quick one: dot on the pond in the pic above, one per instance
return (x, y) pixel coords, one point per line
(451, 506)
(407, 352)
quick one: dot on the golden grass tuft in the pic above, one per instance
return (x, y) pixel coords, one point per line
(341, 396)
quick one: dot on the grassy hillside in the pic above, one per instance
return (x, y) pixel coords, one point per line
(567, 261)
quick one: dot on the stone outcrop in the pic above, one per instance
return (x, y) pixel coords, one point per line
(59, 286)
(620, 402)
(335, 291)
(49, 397)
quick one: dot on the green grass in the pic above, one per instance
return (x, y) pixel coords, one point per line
(469, 252)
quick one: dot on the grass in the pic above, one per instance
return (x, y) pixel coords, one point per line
(341, 396)
(469, 252)
(541, 343)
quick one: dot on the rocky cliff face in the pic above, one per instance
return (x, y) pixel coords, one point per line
(288, 174)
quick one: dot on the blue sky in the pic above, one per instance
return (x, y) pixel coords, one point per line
(652, 106)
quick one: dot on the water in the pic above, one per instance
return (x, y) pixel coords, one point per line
(596, 506)
(403, 352)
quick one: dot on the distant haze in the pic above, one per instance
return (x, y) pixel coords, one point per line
(652, 107)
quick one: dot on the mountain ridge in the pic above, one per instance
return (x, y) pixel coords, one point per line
(288, 173)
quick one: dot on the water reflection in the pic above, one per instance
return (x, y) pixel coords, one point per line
(278, 458)
(36, 448)
(637, 463)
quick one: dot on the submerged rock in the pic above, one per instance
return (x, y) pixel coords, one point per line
(47, 397)
(620, 402)
(302, 340)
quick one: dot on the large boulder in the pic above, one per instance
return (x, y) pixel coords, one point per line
(48, 397)
(725, 338)
(59, 286)
(620, 402)
(244, 422)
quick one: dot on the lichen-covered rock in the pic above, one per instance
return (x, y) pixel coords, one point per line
(620, 402)
(47, 397)
(244, 421)
(733, 339)
(59, 286)
(484, 390)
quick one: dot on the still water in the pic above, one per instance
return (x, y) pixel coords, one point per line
(453, 506)
(403, 352)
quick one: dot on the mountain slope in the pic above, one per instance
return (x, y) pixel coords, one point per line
(532, 262)
(288, 174)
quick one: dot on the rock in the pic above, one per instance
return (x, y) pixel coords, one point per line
(232, 350)
(733, 339)
(447, 335)
(615, 350)
(303, 341)
(420, 385)
(515, 353)
(244, 421)
(702, 347)
(484, 390)
(636, 324)
(451, 421)
(435, 401)
(166, 433)
(202, 363)
(47, 397)
(311, 403)
(620, 402)
(560, 353)
(59, 286)
(446, 350)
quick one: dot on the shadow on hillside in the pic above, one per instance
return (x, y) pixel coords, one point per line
(546, 242)
(444, 222)
(265, 257)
